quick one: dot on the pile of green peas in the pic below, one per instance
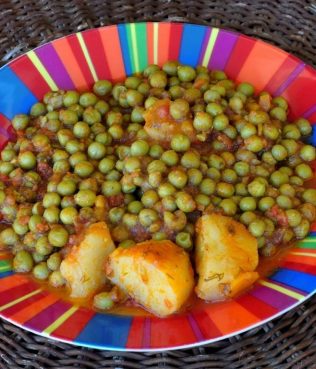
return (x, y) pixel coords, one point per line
(76, 151)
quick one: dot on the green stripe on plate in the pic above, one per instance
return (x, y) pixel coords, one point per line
(131, 47)
(141, 37)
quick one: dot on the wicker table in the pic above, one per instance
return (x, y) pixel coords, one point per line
(284, 343)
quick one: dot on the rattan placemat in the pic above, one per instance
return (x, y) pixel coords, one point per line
(288, 342)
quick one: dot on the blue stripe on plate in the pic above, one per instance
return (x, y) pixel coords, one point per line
(15, 96)
(302, 281)
(191, 43)
(125, 49)
(106, 330)
(312, 138)
(6, 274)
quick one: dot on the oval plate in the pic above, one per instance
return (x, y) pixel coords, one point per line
(76, 62)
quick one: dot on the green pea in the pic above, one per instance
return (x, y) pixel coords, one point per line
(309, 196)
(202, 121)
(213, 173)
(96, 150)
(248, 204)
(137, 114)
(9, 237)
(111, 188)
(194, 176)
(159, 236)
(254, 143)
(116, 131)
(156, 151)
(256, 188)
(38, 109)
(284, 202)
(186, 73)
(156, 166)
(257, 227)
(149, 198)
(278, 113)
(183, 239)
(54, 261)
(248, 130)
(246, 88)
(126, 244)
(220, 122)
(229, 207)
(58, 236)
(135, 207)
(179, 109)
(281, 102)
(166, 189)
(88, 99)
(241, 168)
(224, 189)
(191, 159)
(247, 217)
(68, 215)
(294, 217)
(102, 87)
(103, 301)
(170, 157)
(229, 175)
(185, 202)
(304, 171)
(287, 190)
(8, 154)
(180, 142)
(56, 279)
(302, 230)
(211, 96)
(202, 200)
(278, 178)
(270, 131)
(20, 122)
(42, 246)
(169, 203)
(279, 152)
(304, 126)
(178, 178)
(258, 117)
(266, 203)
(66, 187)
(139, 148)
(27, 160)
(106, 165)
(51, 214)
(81, 130)
(130, 220)
(147, 217)
(84, 169)
(41, 271)
(23, 262)
(68, 117)
(6, 168)
(132, 164)
(19, 228)
(207, 186)
(85, 198)
(308, 153)
(290, 131)
(70, 98)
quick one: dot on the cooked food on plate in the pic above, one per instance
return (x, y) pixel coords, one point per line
(172, 183)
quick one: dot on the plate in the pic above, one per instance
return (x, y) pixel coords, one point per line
(113, 52)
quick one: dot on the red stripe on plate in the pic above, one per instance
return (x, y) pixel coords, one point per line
(239, 55)
(17, 292)
(23, 304)
(175, 41)
(172, 331)
(150, 42)
(256, 307)
(30, 76)
(136, 333)
(94, 45)
(206, 324)
(305, 268)
(72, 327)
(81, 59)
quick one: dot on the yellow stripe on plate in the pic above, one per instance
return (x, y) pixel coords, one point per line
(20, 299)
(87, 56)
(134, 47)
(210, 47)
(283, 290)
(60, 320)
(304, 254)
(40, 67)
(156, 43)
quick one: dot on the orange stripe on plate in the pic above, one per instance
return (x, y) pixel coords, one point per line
(229, 316)
(163, 42)
(12, 281)
(112, 49)
(67, 57)
(33, 309)
(261, 64)
(5, 256)
(150, 43)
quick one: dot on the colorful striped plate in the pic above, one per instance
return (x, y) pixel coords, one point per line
(75, 62)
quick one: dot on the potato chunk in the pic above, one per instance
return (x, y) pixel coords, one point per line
(160, 125)
(83, 266)
(226, 257)
(156, 274)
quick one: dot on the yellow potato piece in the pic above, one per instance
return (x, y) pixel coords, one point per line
(156, 274)
(83, 266)
(226, 256)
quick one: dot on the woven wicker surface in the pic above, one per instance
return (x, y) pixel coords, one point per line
(286, 342)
